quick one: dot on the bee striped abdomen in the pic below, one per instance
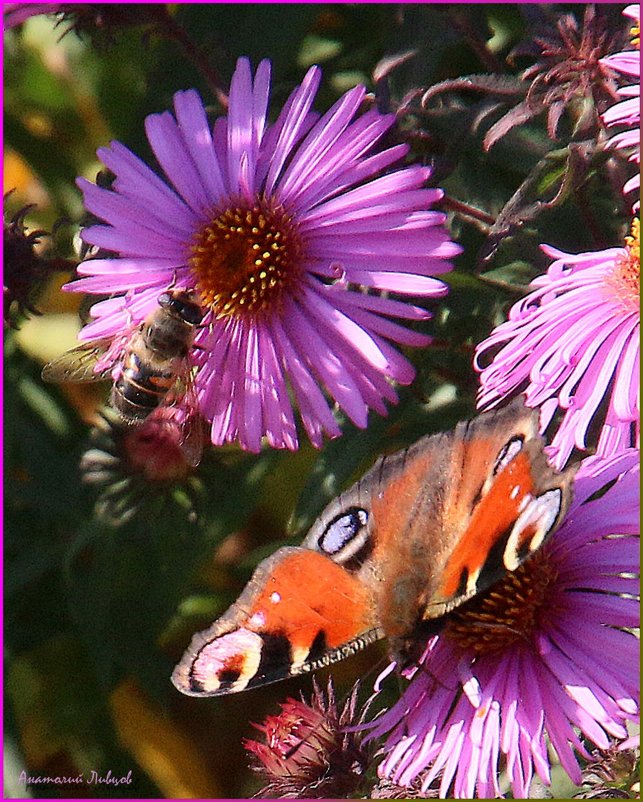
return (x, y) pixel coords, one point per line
(141, 387)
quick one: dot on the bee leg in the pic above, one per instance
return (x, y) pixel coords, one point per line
(172, 283)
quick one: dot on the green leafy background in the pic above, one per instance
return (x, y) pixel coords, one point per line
(95, 615)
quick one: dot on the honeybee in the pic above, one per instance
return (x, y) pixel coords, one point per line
(153, 369)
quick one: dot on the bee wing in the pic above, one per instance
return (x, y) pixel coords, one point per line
(192, 438)
(183, 397)
(77, 364)
(192, 425)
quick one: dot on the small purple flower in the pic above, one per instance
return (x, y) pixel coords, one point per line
(545, 656)
(628, 111)
(573, 344)
(294, 234)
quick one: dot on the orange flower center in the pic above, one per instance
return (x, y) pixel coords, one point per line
(246, 259)
(627, 272)
(507, 613)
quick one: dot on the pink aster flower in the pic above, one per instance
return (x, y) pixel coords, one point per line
(573, 344)
(628, 111)
(296, 235)
(545, 656)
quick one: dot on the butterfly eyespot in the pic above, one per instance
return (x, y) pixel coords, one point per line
(508, 452)
(537, 519)
(345, 535)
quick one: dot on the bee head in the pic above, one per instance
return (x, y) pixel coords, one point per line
(182, 303)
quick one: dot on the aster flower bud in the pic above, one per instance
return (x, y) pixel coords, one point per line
(613, 774)
(136, 465)
(567, 77)
(385, 789)
(307, 751)
(25, 270)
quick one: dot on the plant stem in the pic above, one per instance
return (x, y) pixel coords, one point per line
(466, 210)
(176, 32)
(488, 59)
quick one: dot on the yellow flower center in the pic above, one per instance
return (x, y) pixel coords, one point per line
(507, 613)
(246, 259)
(635, 33)
(627, 272)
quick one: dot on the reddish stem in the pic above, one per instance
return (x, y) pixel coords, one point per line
(176, 32)
(466, 210)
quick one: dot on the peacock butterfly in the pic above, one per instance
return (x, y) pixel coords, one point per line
(423, 531)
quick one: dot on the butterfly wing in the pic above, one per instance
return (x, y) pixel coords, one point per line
(479, 501)
(180, 408)
(300, 611)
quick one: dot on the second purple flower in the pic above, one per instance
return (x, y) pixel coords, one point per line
(293, 234)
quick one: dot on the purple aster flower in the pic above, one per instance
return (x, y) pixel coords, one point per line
(628, 111)
(545, 655)
(294, 235)
(573, 344)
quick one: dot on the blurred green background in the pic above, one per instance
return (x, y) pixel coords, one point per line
(96, 615)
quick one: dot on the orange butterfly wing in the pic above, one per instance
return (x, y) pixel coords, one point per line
(299, 611)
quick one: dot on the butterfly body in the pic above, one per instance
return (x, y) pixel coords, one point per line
(423, 531)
